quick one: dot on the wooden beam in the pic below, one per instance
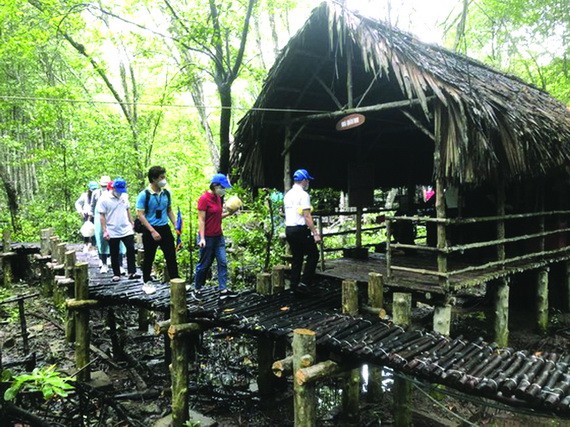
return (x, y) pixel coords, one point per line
(371, 108)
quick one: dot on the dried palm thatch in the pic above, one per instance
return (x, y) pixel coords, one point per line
(468, 124)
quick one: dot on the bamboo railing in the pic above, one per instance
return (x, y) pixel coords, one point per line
(444, 250)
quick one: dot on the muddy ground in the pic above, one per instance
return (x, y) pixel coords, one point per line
(135, 383)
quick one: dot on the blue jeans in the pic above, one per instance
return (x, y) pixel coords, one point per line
(215, 247)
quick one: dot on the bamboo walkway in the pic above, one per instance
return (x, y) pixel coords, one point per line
(517, 378)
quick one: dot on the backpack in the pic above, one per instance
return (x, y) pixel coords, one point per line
(138, 225)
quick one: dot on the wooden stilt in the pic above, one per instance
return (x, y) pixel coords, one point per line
(349, 297)
(542, 300)
(304, 348)
(82, 339)
(442, 319)
(179, 365)
(351, 386)
(70, 261)
(61, 250)
(45, 235)
(263, 286)
(402, 310)
(278, 279)
(567, 283)
(54, 241)
(265, 345)
(501, 318)
(375, 301)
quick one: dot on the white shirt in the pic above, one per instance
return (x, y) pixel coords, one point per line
(115, 211)
(295, 201)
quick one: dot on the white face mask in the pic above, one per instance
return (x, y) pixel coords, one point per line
(220, 191)
(161, 183)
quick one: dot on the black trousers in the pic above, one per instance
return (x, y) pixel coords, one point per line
(114, 248)
(302, 244)
(166, 243)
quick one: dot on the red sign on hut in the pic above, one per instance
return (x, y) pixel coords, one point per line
(350, 121)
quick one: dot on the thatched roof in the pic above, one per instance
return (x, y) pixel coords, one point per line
(489, 125)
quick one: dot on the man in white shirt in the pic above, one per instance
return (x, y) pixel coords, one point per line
(301, 232)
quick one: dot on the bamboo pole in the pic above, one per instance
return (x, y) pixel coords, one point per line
(179, 345)
(322, 242)
(542, 300)
(359, 226)
(388, 249)
(441, 232)
(82, 338)
(287, 159)
(304, 343)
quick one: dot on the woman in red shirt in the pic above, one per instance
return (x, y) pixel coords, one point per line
(210, 236)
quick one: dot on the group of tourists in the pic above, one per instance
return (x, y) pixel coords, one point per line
(106, 204)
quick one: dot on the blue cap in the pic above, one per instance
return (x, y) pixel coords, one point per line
(301, 174)
(221, 179)
(120, 185)
(93, 185)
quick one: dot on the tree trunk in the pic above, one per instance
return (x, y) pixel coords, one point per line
(225, 122)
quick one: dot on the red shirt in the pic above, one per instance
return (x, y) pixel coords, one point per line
(212, 205)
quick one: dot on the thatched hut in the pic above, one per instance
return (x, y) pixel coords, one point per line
(431, 116)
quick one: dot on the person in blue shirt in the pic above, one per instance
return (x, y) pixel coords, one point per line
(154, 210)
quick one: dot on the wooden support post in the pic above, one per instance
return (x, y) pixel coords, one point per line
(375, 301)
(542, 300)
(442, 319)
(501, 318)
(349, 297)
(304, 344)
(351, 386)
(61, 249)
(287, 178)
(402, 309)
(54, 241)
(358, 230)
(23, 327)
(179, 345)
(7, 273)
(567, 283)
(70, 261)
(375, 290)
(263, 286)
(45, 235)
(441, 232)
(140, 257)
(265, 345)
(388, 248)
(321, 243)
(82, 339)
(278, 279)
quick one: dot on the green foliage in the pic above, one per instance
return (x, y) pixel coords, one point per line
(8, 311)
(253, 234)
(45, 380)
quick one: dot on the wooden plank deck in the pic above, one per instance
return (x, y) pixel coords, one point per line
(357, 269)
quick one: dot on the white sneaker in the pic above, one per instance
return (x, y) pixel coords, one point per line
(109, 262)
(149, 288)
(100, 264)
(85, 248)
(104, 269)
(123, 271)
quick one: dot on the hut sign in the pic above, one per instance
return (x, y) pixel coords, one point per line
(350, 121)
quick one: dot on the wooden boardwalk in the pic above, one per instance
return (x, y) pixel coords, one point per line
(517, 378)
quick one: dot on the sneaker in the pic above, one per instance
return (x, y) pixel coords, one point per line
(85, 248)
(116, 278)
(108, 262)
(104, 269)
(227, 293)
(100, 264)
(123, 271)
(134, 276)
(149, 288)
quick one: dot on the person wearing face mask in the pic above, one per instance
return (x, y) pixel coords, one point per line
(117, 225)
(210, 236)
(154, 209)
(300, 232)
